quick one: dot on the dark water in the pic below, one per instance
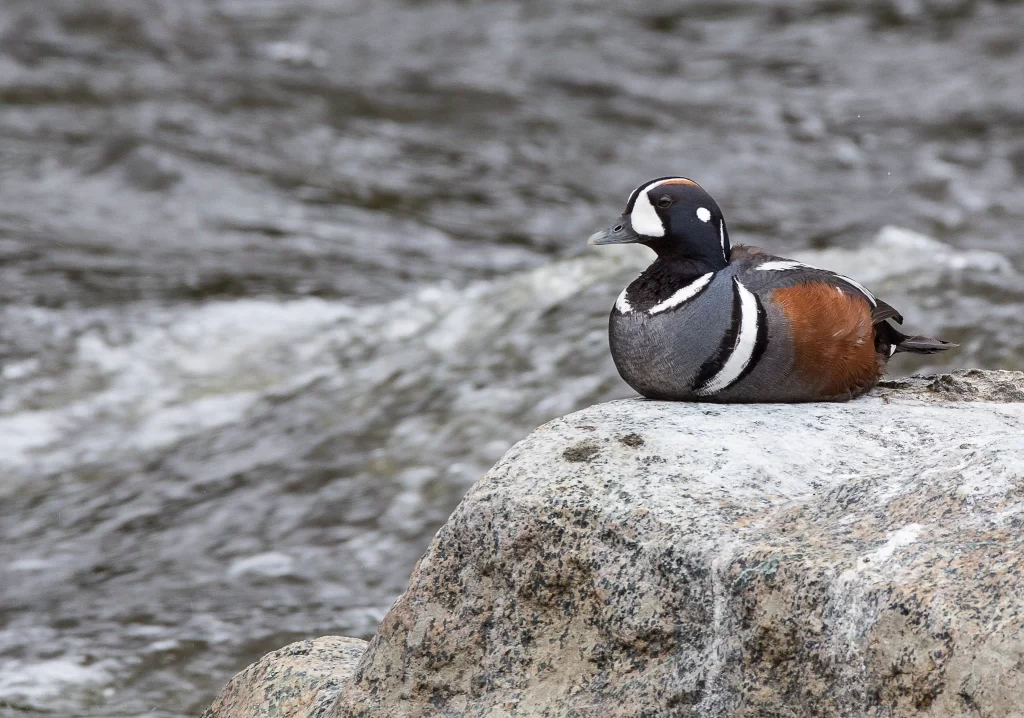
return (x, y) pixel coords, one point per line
(280, 279)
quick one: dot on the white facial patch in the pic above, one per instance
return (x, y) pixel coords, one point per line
(703, 214)
(643, 218)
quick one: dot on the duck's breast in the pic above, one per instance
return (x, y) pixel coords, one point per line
(660, 350)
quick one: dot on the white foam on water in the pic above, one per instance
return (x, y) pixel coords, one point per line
(914, 258)
(272, 564)
(25, 432)
(37, 683)
(182, 372)
(30, 565)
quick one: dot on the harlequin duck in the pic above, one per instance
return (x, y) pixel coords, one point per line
(711, 322)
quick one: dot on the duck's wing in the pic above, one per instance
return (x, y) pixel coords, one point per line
(761, 272)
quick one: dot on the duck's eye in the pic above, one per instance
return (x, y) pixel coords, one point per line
(665, 202)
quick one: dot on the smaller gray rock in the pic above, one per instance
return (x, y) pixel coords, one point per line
(301, 679)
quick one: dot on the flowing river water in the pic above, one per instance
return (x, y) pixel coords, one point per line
(279, 279)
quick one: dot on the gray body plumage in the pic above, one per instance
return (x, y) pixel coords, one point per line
(661, 354)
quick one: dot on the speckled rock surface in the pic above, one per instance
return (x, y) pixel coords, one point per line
(654, 559)
(300, 680)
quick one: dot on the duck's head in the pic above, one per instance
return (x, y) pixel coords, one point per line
(676, 218)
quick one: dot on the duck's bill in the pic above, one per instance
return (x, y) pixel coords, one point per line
(621, 233)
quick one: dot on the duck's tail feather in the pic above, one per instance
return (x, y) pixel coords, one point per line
(923, 345)
(891, 339)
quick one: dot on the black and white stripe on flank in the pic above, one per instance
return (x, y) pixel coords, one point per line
(742, 346)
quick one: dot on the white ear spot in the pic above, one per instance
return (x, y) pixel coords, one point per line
(703, 214)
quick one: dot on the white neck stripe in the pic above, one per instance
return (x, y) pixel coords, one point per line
(622, 303)
(683, 295)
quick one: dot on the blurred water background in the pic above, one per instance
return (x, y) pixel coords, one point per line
(279, 279)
